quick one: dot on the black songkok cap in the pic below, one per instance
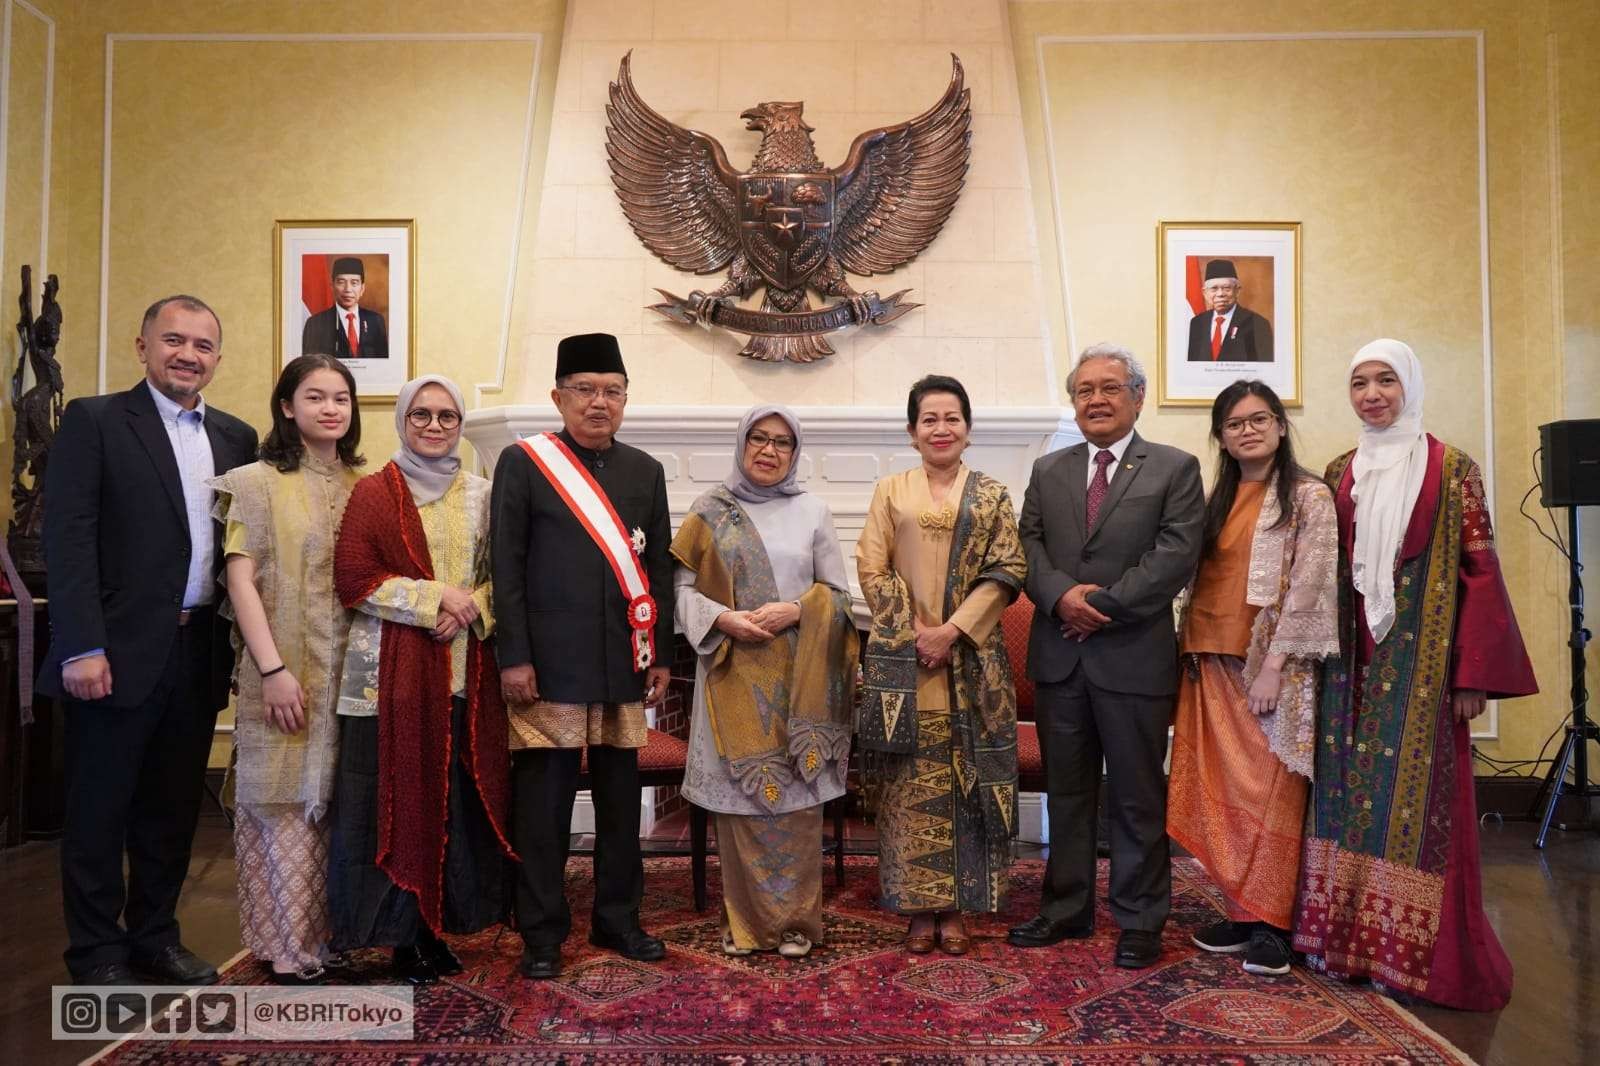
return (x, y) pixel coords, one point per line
(1219, 269)
(349, 264)
(589, 353)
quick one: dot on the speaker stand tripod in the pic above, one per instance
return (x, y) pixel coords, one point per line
(1575, 748)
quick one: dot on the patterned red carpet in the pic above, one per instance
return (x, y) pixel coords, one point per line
(862, 999)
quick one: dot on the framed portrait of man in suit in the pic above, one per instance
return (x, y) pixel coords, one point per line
(1227, 307)
(348, 289)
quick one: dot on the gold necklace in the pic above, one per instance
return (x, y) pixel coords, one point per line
(940, 517)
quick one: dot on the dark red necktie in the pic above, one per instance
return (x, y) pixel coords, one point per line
(1099, 485)
(350, 333)
(1216, 337)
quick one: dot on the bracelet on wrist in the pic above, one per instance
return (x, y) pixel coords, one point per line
(280, 668)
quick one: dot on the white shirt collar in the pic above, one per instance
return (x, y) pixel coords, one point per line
(340, 313)
(1116, 448)
(171, 410)
(1227, 317)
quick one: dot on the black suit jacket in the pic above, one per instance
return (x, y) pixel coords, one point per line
(557, 603)
(1248, 340)
(324, 333)
(1142, 551)
(116, 540)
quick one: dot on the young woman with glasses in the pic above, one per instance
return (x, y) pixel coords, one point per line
(1259, 616)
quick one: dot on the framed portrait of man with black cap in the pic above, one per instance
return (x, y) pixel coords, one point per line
(347, 289)
(1227, 307)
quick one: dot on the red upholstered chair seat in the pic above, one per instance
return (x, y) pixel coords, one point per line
(661, 752)
(1030, 760)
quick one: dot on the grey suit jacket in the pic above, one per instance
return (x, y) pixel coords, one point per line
(1141, 552)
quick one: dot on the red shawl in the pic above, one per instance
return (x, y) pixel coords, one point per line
(382, 538)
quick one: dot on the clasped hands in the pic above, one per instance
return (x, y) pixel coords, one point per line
(760, 625)
(934, 643)
(457, 611)
(1079, 620)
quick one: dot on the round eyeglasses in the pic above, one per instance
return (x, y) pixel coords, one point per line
(422, 418)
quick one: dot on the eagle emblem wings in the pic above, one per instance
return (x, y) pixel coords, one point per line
(789, 223)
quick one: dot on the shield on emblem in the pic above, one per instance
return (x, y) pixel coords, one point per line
(786, 224)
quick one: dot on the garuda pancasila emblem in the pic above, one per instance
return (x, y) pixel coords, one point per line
(788, 223)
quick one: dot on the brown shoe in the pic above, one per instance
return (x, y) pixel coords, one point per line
(920, 943)
(953, 939)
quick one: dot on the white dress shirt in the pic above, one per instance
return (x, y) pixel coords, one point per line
(192, 450)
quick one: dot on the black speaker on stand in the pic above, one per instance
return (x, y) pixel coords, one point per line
(1570, 473)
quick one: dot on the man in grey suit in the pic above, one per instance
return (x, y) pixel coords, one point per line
(1111, 528)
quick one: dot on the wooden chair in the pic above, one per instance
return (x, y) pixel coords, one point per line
(662, 762)
(1030, 757)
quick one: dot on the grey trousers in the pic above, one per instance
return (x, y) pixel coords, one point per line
(1080, 724)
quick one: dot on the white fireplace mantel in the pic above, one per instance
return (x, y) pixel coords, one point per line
(846, 449)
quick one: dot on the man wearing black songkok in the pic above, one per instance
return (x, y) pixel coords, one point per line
(1227, 331)
(346, 330)
(574, 645)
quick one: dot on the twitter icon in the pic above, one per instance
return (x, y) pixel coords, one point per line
(218, 1012)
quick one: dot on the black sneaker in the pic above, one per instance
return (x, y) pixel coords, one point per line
(1268, 953)
(1223, 937)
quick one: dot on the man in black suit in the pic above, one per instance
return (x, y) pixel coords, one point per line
(1227, 332)
(570, 666)
(1111, 528)
(137, 653)
(346, 330)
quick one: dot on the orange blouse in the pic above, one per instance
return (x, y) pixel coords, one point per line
(1219, 619)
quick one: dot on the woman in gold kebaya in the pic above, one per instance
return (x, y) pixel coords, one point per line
(939, 560)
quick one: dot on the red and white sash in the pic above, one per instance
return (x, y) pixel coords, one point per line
(590, 505)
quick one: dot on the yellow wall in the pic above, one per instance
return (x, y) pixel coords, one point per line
(29, 57)
(1373, 145)
(212, 141)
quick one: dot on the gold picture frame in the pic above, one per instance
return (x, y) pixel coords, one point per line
(1258, 336)
(382, 322)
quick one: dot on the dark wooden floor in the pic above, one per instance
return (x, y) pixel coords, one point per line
(1546, 906)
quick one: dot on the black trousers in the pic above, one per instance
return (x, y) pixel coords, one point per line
(135, 778)
(1079, 725)
(367, 908)
(544, 784)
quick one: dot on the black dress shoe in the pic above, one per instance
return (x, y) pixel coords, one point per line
(635, 944)
(174, 965)
(107, 973)
(1137, 948)
(1041, 932)
(413, 967)
(306, 978)
(540, 964)
(445, 962)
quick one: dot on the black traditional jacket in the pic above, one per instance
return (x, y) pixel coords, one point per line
(557, 603)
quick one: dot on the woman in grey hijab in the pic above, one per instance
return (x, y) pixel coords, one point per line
(409, 600)
(763, 597)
